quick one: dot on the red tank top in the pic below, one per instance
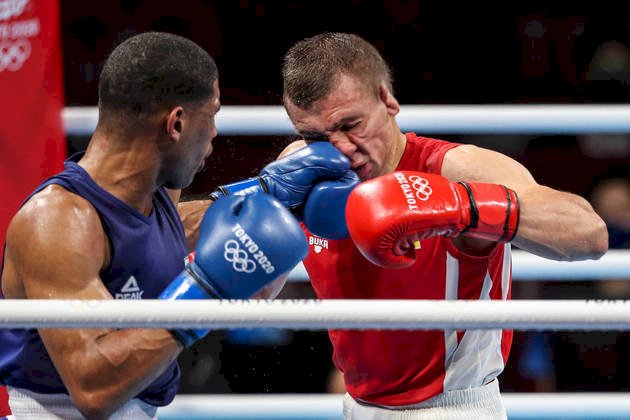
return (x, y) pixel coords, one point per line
(396, 368)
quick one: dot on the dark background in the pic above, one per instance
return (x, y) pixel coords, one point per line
(440, 53)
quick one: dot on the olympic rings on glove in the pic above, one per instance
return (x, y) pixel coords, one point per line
(421, 185)
(238, 257)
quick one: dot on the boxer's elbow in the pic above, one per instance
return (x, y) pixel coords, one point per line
(599, 241)
(93, 405)
(591, 235)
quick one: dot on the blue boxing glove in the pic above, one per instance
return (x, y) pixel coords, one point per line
(291, 178)
(245, 243)
(325, 208)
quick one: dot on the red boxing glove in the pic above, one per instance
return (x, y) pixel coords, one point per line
(385, 211)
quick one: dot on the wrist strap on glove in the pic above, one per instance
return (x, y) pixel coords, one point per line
(494, 211)
(244, 187)
(251, 186)
(192, 281)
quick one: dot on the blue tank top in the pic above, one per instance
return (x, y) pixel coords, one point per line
(147, 252)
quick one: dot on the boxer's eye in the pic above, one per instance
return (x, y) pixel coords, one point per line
(312, 137)
(348, 127)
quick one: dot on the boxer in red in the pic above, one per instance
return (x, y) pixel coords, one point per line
(431, 220)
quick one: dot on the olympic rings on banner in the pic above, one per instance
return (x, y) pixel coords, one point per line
(13, 54)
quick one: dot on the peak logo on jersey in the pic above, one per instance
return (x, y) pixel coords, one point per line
(418, 190)
(130, 290)
(318, 243)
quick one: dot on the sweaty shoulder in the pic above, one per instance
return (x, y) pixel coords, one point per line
(53, 204)
(55, 227)
(424, 154)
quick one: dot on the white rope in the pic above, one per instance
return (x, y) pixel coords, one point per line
(442, 119)
(615, 264)
(319, 314)
(584, 405)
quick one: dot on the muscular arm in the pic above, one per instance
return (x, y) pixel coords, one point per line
(191, 213)
(56, 248)
(553, 224)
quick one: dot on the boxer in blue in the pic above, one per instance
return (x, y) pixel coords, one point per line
(110, 226)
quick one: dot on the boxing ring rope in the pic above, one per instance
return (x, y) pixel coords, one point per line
(615, 264)
(446, 119)
(591, 405)
(311, 314)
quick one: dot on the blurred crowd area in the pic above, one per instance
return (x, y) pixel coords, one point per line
(440, 53)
